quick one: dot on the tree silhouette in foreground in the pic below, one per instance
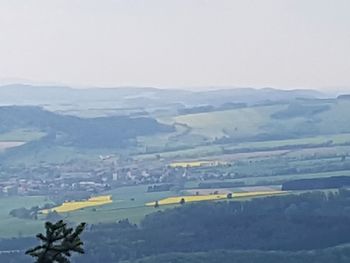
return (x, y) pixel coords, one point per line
(58, 243)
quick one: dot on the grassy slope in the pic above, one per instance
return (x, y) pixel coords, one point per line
(248, 122)
(18, 137)
(337, 119)
(24, 135)
(58, 154)
(237, 123)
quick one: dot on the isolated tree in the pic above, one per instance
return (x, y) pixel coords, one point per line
(58, 243)
(156, 204)
(229, 196)
(182, 201)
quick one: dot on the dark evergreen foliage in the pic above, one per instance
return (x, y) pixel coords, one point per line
(58, 243)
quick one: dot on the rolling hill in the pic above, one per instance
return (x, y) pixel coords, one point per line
(109, 132)
(297, 119)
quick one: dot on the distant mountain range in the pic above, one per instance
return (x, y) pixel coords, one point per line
(143, 97)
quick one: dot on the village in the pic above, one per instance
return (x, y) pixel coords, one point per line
(84, 180)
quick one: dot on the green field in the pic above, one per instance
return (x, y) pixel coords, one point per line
(218, 151)
(14, 227)
(128, 202)
(57, 154)
(23, 135)
(271, 180)
(239, 123)
(336, 139)
(161, 142)
(242, 124)
(122, 207)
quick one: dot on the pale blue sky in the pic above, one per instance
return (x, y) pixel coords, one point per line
(173, 43)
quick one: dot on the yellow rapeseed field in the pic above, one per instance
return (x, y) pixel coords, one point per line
(258, 193)
(198, 198)
(76, 205)
(187, 198)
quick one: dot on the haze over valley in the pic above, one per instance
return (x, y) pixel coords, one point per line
(178, 131)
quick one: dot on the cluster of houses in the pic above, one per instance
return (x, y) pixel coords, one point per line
(52, 180)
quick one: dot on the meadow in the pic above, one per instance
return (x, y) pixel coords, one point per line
(238, 123)
(274, 180)
(128, 202)
(219, 151)
(15, 227)
(23, 135)
(4, 145)
(18, 137)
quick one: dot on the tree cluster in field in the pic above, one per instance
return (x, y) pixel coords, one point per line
(25, 213)
(33, 212)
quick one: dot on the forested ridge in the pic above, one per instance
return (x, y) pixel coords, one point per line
(114, 131)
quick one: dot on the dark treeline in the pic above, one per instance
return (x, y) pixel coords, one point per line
(334, 255)
(291, 223)
(207, 185)
(210, 108)
(159, 187)
(317, 183)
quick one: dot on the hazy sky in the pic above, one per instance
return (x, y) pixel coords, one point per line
(169, 43)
